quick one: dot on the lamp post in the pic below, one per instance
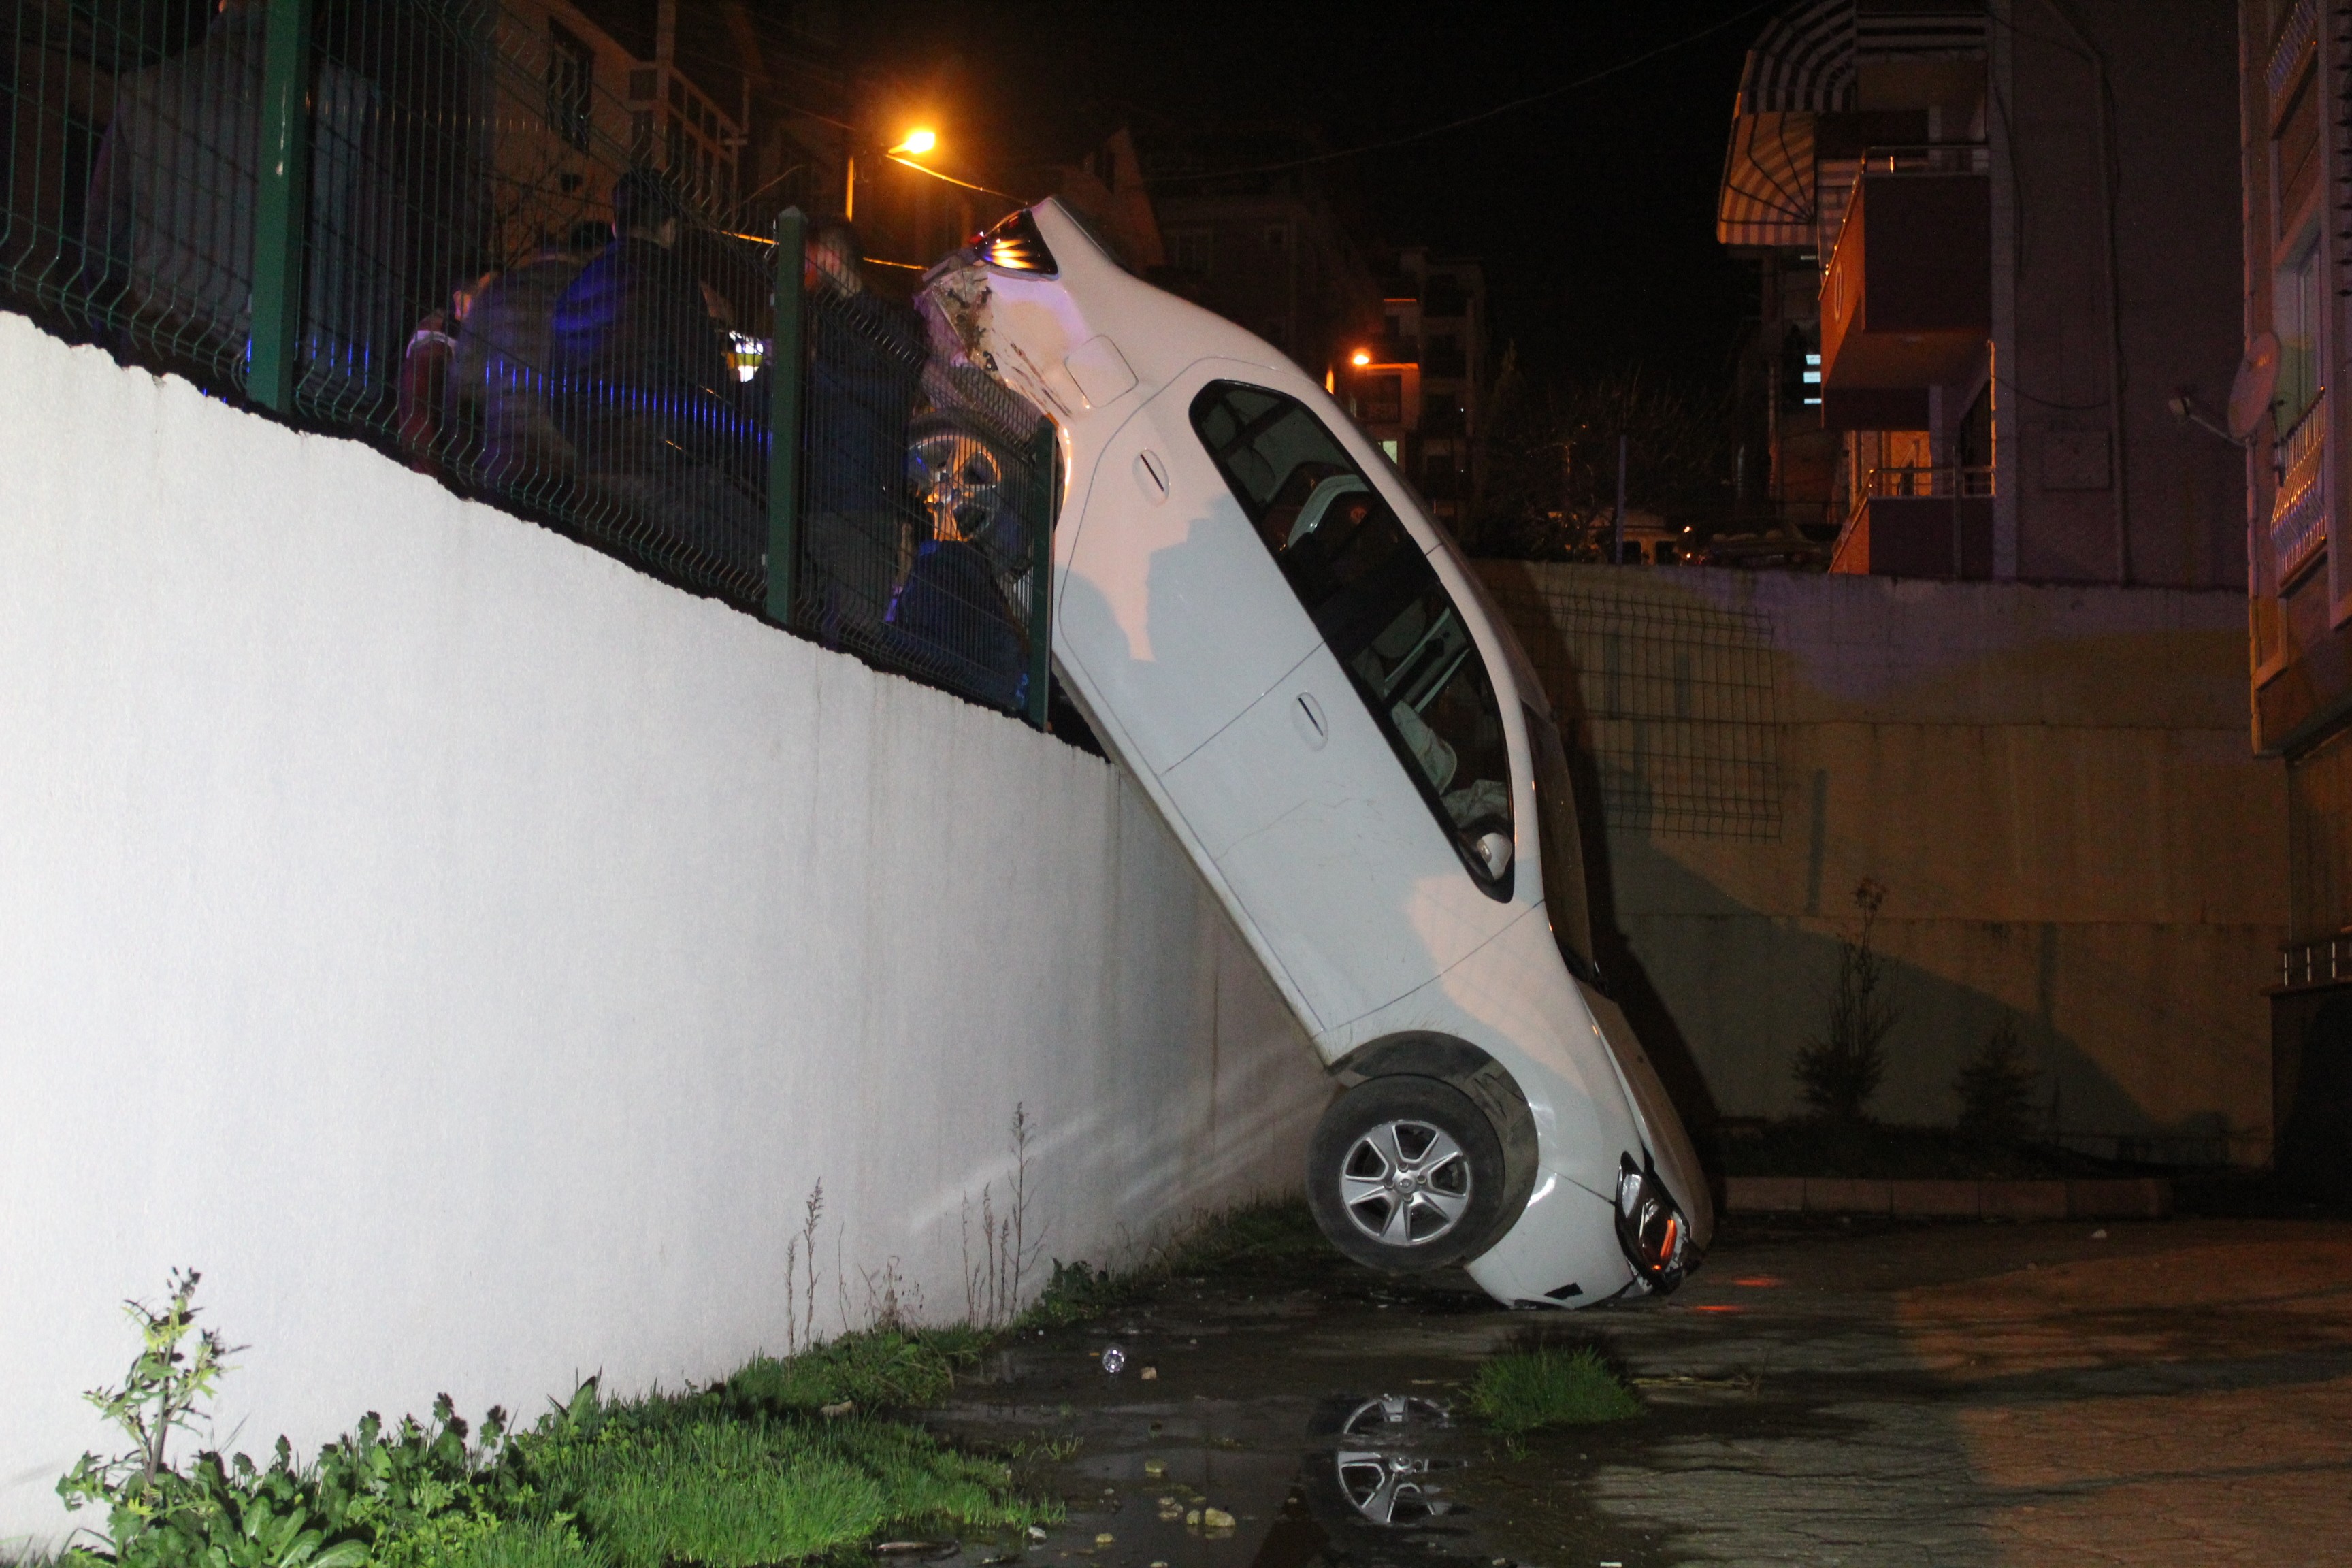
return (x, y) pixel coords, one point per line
(914, 144)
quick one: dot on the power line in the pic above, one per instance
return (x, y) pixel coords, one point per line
(1483, 114)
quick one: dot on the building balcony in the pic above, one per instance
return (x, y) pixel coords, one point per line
(2298, 527)
(1920, 523)
(1906, 297)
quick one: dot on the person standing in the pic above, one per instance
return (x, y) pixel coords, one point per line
(865, 364)
(649, 400)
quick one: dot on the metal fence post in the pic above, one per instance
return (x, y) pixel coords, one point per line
(787, 362)
(1044, 459)
(282, 208)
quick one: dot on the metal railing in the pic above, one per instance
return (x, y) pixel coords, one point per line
(2326, 961)
(1939, 481)
(435, 225)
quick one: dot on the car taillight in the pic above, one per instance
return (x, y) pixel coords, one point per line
(1649, 1227)
(1015, 246)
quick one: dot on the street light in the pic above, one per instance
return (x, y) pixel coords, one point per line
(917, 142)
(1359, 359)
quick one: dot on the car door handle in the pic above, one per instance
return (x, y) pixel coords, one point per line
(1308, 714)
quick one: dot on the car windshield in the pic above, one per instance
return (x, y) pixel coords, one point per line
(1379, 606)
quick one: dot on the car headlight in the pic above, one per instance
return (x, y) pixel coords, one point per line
(1649, 1226)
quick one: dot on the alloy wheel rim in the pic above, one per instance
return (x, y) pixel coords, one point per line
(1405, 1183)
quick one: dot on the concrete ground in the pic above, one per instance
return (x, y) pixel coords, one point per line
(2152, 1393)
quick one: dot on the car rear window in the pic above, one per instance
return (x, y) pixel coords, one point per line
(1378, 603)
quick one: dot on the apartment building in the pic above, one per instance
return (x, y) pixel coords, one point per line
(2295, 84)
(1987, 254)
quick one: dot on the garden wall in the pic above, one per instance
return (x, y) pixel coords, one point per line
(2054, 784)
(469, 952)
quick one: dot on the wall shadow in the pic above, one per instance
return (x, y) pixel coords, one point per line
(1749, 988)
(1628, 983)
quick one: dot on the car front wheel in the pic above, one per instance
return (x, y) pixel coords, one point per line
(1405, 1175)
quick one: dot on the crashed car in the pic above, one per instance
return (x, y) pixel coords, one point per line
(1258, 618)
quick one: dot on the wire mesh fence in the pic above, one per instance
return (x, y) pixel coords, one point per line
(1678, 698)
(505, 252)
(924, 503)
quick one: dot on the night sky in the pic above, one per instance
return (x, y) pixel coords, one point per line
(1594, 210)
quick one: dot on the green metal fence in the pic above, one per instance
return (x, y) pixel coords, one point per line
(470, 235)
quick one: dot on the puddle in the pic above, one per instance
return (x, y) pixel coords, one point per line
(1320, 1415)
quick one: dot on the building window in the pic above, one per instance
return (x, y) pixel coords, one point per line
(571, 84)
(1383, 400)
(2294, 312)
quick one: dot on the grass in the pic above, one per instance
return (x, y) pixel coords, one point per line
(734, 1476)
(880, 1369)
(726, 1492)
(1255, 1236)
(1550, 1385)
(789, 1460)
(493, 1543)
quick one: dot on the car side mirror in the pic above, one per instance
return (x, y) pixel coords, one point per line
(1493, 851)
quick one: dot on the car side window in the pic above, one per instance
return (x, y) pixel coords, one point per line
(1379, 606)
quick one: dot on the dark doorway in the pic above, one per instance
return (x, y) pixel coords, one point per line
(2315, 1145)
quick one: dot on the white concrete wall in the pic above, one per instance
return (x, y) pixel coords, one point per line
(468, 951)
(2054, 784)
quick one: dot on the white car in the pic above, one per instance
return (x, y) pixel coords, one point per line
(1295, 664)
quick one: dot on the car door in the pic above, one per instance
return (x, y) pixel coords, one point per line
(1175, 616)
(1360, 809)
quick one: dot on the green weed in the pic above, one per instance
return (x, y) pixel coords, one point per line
(1268, 1231)
(741, 1473)
(482, 1541)
(1550, 1385)
(880, 1369)
(730, 1493)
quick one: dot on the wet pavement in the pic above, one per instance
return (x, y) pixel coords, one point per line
(2173, 1392)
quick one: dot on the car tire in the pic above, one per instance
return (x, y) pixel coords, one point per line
(1405, 1175)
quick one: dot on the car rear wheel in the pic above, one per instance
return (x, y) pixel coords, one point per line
(1405, 1175)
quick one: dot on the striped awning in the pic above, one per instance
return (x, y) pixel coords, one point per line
(1802, 61)
(1889, 29)
(1768, 180)
(1805, 63)
(1805, 57)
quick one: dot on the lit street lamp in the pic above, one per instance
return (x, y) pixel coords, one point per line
(915, 143)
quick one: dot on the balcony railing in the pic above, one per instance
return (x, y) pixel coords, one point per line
(1969, 482)
(1919, 522)
(2299, 513)
(2326, 962)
